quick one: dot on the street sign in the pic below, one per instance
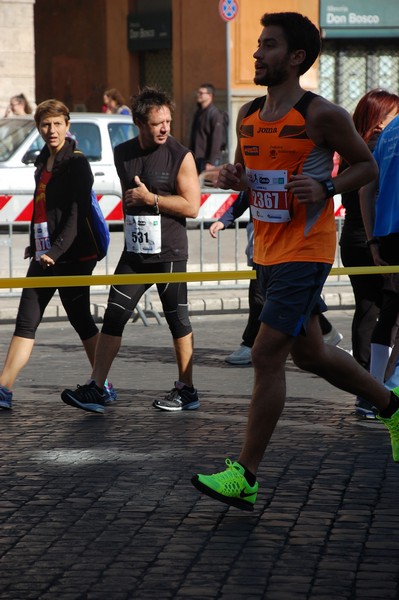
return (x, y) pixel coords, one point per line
(228, 9)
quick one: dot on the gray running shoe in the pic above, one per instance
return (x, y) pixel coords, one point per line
(241, 356)
(364, 409)
(179, 398)
(333, 337)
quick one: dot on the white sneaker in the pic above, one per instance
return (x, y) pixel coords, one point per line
(241, 356)
(333, 337)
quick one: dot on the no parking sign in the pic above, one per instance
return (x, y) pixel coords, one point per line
(228, 9)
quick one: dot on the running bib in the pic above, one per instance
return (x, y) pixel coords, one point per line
(268, 195)
(42, 239)
(143, 234)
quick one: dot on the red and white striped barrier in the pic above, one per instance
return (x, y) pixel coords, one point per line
(18, 208)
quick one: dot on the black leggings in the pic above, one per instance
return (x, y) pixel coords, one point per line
(385, 329)
(75, 300)
(367, 290)
(123, 299)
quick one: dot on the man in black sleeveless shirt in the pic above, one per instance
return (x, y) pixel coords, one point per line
(160, 189)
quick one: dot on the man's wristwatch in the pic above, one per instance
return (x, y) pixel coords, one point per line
(329, 187)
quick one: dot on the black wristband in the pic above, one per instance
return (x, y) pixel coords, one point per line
(329, 187)
(373, 241)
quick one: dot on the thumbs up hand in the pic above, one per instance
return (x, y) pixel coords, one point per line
(139, 195)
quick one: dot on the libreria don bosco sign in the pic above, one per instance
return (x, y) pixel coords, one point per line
(351, 19)
(359, 18)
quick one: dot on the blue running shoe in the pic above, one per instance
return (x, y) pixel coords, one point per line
(5, 397)
(110, 393)
(87, 397)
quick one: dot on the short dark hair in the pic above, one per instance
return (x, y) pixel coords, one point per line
(210, 88)
(148, 98)
(300, 34)
(51, 108)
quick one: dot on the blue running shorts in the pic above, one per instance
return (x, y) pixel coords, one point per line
(292, 293)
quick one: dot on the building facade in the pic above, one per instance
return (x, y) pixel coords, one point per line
(17, 51)
(75, 49)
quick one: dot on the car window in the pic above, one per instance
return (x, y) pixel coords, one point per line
(13, 133)
(33, 151)
(88, 139)
(121, 132)
(37, 144)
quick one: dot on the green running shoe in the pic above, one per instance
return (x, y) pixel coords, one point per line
(392, 424)
(229, 486)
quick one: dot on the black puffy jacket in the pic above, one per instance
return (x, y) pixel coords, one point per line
(68, 204)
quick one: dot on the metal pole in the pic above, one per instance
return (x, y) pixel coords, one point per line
(228, 86)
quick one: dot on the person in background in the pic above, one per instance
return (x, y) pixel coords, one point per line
(372, 114)
(379, 201)
(60, 242)
(18, 106)
(114, 103)
(242, 356)
(207, 130)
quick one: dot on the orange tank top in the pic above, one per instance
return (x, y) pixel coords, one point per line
(284, 229)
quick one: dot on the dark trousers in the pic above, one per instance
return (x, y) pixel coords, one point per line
(367, 291)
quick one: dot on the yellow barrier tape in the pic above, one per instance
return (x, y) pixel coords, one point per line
(145, 278)
(151, 278)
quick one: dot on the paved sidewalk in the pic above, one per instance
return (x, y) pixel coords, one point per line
(102, 508)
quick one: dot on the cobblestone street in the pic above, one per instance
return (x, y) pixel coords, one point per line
(101, 507)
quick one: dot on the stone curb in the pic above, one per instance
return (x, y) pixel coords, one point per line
(211, 302)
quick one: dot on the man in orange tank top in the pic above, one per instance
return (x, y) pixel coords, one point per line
(284, 158)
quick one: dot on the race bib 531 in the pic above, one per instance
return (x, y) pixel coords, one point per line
(143, 234)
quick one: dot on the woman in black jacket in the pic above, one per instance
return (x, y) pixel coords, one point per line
(61, 242)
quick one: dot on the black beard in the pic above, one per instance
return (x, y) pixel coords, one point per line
(271, 79)
(276, 77)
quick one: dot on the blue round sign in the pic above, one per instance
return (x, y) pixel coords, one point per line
(228, 9)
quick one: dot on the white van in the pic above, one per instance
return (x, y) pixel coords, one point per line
(96, 136)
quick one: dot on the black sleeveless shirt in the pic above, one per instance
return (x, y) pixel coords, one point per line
(157, 169)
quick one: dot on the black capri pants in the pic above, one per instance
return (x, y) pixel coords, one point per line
(123, 299)
(75, 300)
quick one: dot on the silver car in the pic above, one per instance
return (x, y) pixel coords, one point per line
(96, 136)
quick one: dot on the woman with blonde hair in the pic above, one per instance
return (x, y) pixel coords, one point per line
(18, 106)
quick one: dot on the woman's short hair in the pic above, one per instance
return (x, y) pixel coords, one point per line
(51, 108)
